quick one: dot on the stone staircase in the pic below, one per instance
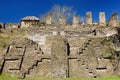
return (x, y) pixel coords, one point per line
(32, 65)
(90, 72)
(84, 46)
(27, 70)
(30, 60)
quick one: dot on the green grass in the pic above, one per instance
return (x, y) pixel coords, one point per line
(4, 77)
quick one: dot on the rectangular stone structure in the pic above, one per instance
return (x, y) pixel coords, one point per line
(88, 18)
(102, 19)
(49, 19)
(75, 21)
(59, 58)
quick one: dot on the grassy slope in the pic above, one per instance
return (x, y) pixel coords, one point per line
(3, 77)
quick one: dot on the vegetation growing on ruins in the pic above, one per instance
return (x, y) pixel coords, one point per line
(108, 45)
(3, 42)
(4, 77)
(58, 12)
(60, 51)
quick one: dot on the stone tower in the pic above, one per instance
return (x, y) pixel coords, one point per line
(113, 21)
(49, 19)
(102, 19)
(75, 21)
(88, 18)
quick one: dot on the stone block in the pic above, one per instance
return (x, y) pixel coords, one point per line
(75, 21)
(102, 19)
(59, 60)
(49, 19)
(88, 18)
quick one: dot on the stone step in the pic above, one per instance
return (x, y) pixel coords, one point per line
(29, 68)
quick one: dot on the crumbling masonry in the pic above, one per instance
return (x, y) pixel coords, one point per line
(64, 51)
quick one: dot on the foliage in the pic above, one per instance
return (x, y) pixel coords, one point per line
(108, 48)
(3, 42)
(4, 45)
(58, 12)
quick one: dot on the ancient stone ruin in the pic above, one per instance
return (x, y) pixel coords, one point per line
(29, 21)
(88, 18)
(102, 19)
(75, 21)
(61, 51)
(113, 21)
(49, 19)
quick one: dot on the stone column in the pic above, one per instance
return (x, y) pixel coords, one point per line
(62, 21)
(113, 21)
(102, 19)
(88, 18)
(49, 19)
(59, 57)
(75, 21)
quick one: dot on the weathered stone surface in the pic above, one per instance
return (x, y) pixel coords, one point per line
(88, 18)
(49, 19)
(104, 67)
(60, 51)
(113, 21)
(102, 19)
(59, 58)
(42, 70)
(62, 21)
(75, 21)
(108, 31)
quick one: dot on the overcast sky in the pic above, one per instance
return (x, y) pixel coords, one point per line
(14, 10)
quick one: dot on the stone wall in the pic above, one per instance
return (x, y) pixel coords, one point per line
(60, 57)
(61, 51)
(12, 25)
(113, 21)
